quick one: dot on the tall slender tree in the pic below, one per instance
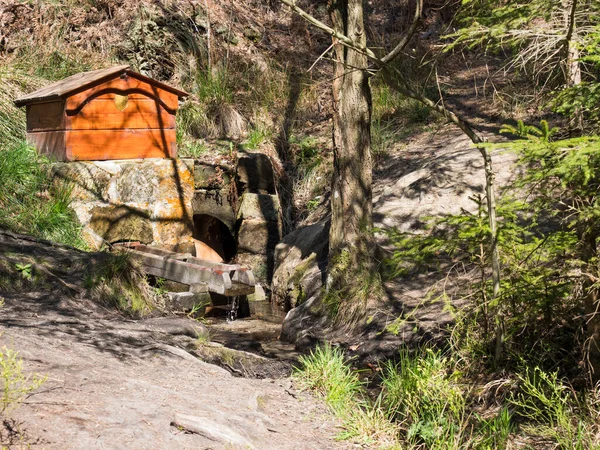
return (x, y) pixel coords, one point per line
(351, 250)
(350, 246)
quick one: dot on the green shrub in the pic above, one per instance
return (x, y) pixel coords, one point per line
(16, 385)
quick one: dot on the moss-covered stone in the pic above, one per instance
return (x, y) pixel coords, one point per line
(259, 264)
(258, 236)
(300, 261)
(121, 223)
(210, 177)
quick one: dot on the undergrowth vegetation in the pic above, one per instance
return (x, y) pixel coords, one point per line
(546, 241)
(394, 118)
(425, 399)
(30, 203)
(117, 280)
(16, 384)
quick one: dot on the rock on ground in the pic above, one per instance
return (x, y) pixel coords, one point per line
(118, 383)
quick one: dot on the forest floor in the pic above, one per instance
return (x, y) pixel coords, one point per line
(114, 382)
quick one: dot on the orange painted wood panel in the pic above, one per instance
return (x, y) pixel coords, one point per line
(46, 116)
(124, 85)
(120, 144)
(111, 96)
(103, 114)
(50, 143)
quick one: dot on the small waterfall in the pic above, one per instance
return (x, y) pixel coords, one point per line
(232, 308)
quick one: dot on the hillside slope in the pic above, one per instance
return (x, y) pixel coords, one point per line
(115, 382)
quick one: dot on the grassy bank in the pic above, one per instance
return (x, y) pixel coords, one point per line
(429, 399)
(30, 203)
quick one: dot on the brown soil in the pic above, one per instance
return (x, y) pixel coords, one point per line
(115, 382)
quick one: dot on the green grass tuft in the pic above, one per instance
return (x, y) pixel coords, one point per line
(29, 203)
(325, 372)
(118, 281)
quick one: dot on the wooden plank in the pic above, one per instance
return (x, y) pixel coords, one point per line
(235, 279)
(69, 84)
(95, 145)
(51, 143)
(185, 256)
(127, 85)
(244, 276)
(102, 114)
(183, 272)
(46, 117)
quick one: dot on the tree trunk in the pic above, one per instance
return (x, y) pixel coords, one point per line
(572, 67)
(350, 241)
(588, 240)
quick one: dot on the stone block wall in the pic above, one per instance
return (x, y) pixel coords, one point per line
(259, 222)
(145, 200)
(161, 202)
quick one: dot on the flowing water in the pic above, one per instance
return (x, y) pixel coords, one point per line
(232, 308)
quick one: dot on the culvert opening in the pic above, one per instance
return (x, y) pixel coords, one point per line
(212, 239)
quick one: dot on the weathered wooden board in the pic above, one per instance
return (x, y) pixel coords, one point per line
(51, 143)
(120, 144)
(237, 272)
(46, 116)
(129, 85)
(224, 279)
(184, 272)
(102, 114)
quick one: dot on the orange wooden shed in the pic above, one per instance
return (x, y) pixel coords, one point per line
(104, 114)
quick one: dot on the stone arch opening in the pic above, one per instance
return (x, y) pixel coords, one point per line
(213, 240)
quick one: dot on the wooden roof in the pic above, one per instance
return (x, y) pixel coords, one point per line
(81, 81)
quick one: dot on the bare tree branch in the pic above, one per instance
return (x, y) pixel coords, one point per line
(408, 36)
(387, 71)
(326, 28)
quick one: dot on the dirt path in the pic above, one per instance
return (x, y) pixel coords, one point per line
(117, 383)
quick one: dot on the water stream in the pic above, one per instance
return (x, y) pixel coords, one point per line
(232, 308)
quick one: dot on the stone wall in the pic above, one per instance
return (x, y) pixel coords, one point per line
(155, 202)
(258, 218)
(146, 200)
